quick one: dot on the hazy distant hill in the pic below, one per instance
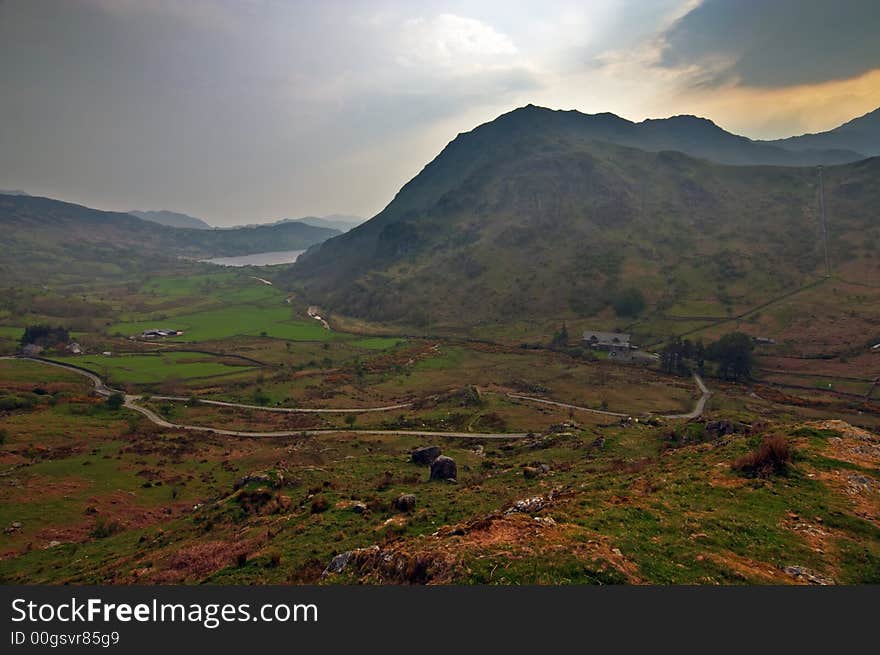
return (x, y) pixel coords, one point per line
(172, 219)
(861, 134)
(528, 216)
(6, 192)
(340, 222)
(41, 236)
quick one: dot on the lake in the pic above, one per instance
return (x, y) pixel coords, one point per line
(258, 259)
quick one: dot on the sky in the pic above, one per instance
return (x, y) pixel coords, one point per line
(250, 111)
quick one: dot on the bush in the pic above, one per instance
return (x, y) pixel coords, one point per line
(11, 402)
(104, 528)
(772, 457)
(319, 505)
(274, 557)
(115, 401)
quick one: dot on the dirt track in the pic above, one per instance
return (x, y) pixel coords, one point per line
(131, 403)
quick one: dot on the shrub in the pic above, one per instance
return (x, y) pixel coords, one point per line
(115, 401)
(772, 457)
(274, 559)
(11, 402)
(320, 504)
(104, 528)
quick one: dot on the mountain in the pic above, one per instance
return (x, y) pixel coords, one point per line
(860, 134)
(6, 192)
(528, 217)
(698, 137)
(41, 237)
(340, 222)
(172, 219)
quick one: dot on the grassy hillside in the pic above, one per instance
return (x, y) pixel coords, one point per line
(513, 222)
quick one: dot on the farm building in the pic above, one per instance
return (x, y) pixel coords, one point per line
(158, 333)
(617, 344)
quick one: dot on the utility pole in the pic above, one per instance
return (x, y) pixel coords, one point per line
(824, 223)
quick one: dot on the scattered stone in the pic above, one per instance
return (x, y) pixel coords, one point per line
(424, 456)
(359, 508)
(720, 428)
(444, 468)
(342, 560)
(529, 505)
(270, 481)
(859, 483)
(338, 563)
(617, 552)
(91, 510)
(530, 472)
(545, 520)
(598, 443)
(404, 503)
(804, 574)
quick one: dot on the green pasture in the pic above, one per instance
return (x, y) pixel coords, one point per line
(153, 368)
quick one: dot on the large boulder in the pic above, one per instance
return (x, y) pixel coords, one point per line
(404, 503)
(719, 428)
(424, 456)
(443, 468)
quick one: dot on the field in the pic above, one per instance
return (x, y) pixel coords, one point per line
(157, 367)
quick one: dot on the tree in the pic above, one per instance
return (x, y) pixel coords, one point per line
(628, 302)
(700, 356)
(350, 420)
(115, 401)
(560, 337)
(673, 358)
(733, 354)
(44, 335)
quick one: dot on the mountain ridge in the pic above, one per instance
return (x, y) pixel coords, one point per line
(171, 218)
(862, 132)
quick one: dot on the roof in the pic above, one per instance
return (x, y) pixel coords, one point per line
(607, 338)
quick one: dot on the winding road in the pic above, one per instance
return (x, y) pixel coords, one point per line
(696, 412)
(131, 403)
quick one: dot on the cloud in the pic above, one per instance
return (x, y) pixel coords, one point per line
(448, 41)
(772, 44)
(785, 111)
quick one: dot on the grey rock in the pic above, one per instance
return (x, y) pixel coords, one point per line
(404, 503)
(444, 468)
(424, 456)
(339, 562)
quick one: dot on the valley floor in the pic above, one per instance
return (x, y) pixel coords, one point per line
(261, 446)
